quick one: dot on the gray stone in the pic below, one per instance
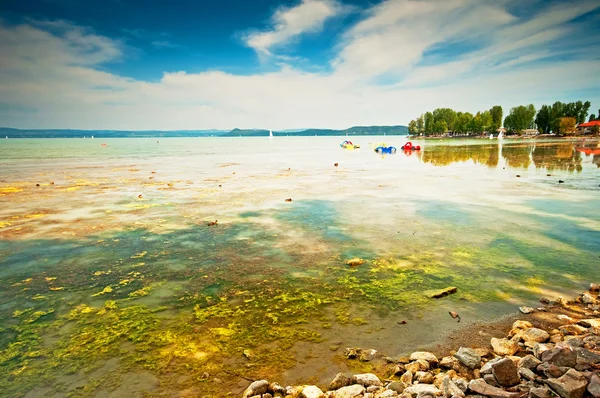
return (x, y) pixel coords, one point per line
(275, 388)
(571, 385)
(586, 358)
(374, 389)
(535, 335)
(468, 357)
(527, 374)
(504, 346)
(539, 349)
(505, 372)
(368, 355)
(420, 389)
(486, 368)
(560, 356)
(366, 379)
(479, 386)
(258, 387)
(590, 323)
(407, 377)
(594, 386)
(424, 355)
(311, 392)
(350, 391)
(540, 392)
(529, 362)
(424, 377)
(450, 389)
(461, 383)
(552, 371)
(340, 380)
(526, 310)
(397, 386)
(491, 380)
(587, 298)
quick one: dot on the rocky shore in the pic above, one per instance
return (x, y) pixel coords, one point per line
(562, 361)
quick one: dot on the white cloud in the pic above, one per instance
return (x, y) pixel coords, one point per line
(50, 74)
(289, 23)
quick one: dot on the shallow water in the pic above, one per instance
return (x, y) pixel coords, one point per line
(100, 285)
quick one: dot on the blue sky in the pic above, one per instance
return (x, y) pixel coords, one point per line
(185, 64)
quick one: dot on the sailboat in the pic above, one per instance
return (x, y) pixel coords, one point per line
(270, 133)
(500, 135)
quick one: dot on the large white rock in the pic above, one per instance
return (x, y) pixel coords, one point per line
(350, 391)
(427, 356)
(420, 389)
(367, 379)
(311, 392)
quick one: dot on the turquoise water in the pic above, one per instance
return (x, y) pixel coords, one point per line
(100, 285)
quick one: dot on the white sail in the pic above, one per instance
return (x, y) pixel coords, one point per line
(270, 133)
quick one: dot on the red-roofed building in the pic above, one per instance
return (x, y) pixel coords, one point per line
(586, 128)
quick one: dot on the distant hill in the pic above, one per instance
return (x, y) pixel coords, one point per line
(356, 130)
(66, 133)
(59, 133)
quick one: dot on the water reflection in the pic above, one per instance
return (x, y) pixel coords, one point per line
(566, 156)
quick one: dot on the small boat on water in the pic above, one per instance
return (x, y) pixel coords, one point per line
(349, 145)
(270, 133)
(382, 148)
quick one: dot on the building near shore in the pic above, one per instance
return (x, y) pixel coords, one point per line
(586, 128)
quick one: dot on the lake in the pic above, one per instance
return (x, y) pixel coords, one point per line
(114, 283)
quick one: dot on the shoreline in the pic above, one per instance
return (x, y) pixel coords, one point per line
(553, 350)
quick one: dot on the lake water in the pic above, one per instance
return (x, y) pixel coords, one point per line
(113, 283)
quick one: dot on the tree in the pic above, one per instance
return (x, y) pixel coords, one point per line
(496, 113)
(520, 118)
(412, 128)
(446, 114)
(429, 123)
(542, 120)
(420, 124)
(595, 129)
(592, 118)
(440, 126)
(567, 125)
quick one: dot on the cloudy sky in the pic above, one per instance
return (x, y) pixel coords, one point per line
(199, 64)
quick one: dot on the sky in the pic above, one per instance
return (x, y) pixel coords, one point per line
(198, 64)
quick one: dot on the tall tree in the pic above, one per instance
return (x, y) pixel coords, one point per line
(446, 114)
(592, 118)
(429, 122)
(520, 118)
(567, 125)
(496, 113)
(412, 127)
(420, 124)
(543, 119)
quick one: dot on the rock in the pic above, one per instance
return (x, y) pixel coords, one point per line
(551, 371)
(526, 310)
(560, 356)
(352, 353)
(556, 338)
(354, 262)
(461, 383)
(482, 352)
(540, 392)
(450, 389)
(258, 387)
(288, 200)
(448, 362)
(422, 389)
(397, 386)
(399, 370)
(486, 368)
(479, 386)
(491, 380)
(350, 391)
(387, 394)
(539, 349)
(505, 372)
(586, 358)
(560, 300)
(424, 377)
(564, 317)
(587, 298)
(571, 385)
(374, 389)
(442, 292)
(368, 355)
(504, 346)
(594, 287)
(266, 395)
(535, 335)
(275, 388)
(590, 323)
(594, 386)
(529, 362)
(340, 380)
(573, 329)
(527, 374)
(424, 355)
(520, 326)
(468, 357)
(367, 379)
(407, 377)
(368, 395)
(311, 392)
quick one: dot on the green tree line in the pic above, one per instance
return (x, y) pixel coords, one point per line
(558, 118)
